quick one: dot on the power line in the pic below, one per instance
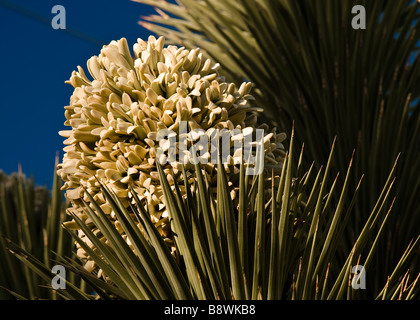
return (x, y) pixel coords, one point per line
(46, 21)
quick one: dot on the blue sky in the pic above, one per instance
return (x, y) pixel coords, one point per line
(36, 60)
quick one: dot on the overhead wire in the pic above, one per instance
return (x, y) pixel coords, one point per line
(47, 21)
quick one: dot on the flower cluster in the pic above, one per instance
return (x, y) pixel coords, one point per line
(115, 118)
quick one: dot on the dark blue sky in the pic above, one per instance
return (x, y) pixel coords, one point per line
(35, 61)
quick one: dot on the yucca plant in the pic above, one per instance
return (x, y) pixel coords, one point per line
(311, 67)
(289, 246)
(117, 116)
(293, 234)
(30, 217)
